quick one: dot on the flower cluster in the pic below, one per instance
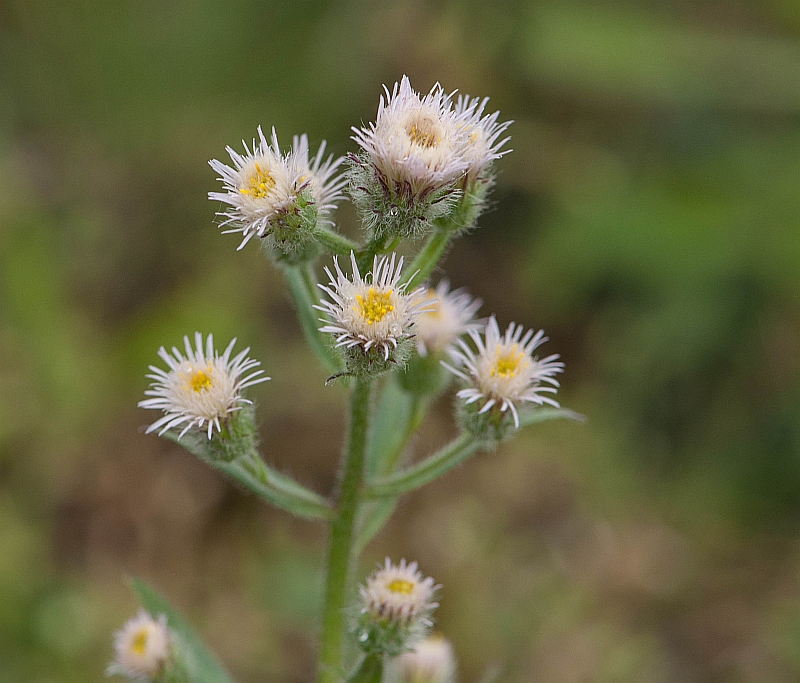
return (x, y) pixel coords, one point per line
(278, 197)
(201, 388)
(425, 164)
(419, 157)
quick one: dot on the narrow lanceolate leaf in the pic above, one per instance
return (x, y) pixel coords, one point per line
(276, 488)
(202, 665)
(305, 297)
(537, 415)
(390, 425)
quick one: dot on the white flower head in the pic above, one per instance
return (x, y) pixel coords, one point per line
(431, 661)
(398, 595)
(142, 648)
(484, 144)
(374, 311)
(417, 142)
(503, 371)
(318, 174)
(200, 388)
(451, 315)
(263, 187)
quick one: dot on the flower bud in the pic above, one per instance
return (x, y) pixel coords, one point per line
(279, 198)
(371, 318)
(142, 648)
(396, 607)
(431, 661)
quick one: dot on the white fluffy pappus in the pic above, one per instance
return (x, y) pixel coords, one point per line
(200, 388)
(263, 183)
(373, 311)
(503, 371)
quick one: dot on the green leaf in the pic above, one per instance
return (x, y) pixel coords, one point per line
(302, 284)
(202, 664)
(537, 415)
(389, 425)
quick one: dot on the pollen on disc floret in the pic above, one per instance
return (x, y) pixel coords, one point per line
(399, 595)
(200, 388)
(374, 311)
(451, 314)
(502, 371)
(141, 648)
(264, 188)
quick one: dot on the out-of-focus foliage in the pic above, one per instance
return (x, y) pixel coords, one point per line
(648, 219)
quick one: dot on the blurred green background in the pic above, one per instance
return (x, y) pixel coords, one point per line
(648, 219)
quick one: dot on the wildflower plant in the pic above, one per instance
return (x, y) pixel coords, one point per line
(424, 170)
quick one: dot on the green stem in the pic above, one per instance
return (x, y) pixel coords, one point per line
(370, 670)
(426, 471)
(303, 287)
(340, 551)
(428, 258)
(335, 242)
(372, 248)
(376, 513)
(419, 407)
(276, 488)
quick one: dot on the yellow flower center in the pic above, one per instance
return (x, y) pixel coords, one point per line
(139, 642)
(375, 306)
(201, 380)
(507, 364)
(259, 185)
(401, 586)
(423, 132)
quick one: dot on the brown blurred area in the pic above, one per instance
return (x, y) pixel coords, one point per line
(647, 219)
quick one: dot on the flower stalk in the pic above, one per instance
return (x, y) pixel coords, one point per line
(340, 550)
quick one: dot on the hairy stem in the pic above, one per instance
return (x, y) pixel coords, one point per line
(340, 552)
(426, 471)
(335, 242)
(304, 291)
(428, 258)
